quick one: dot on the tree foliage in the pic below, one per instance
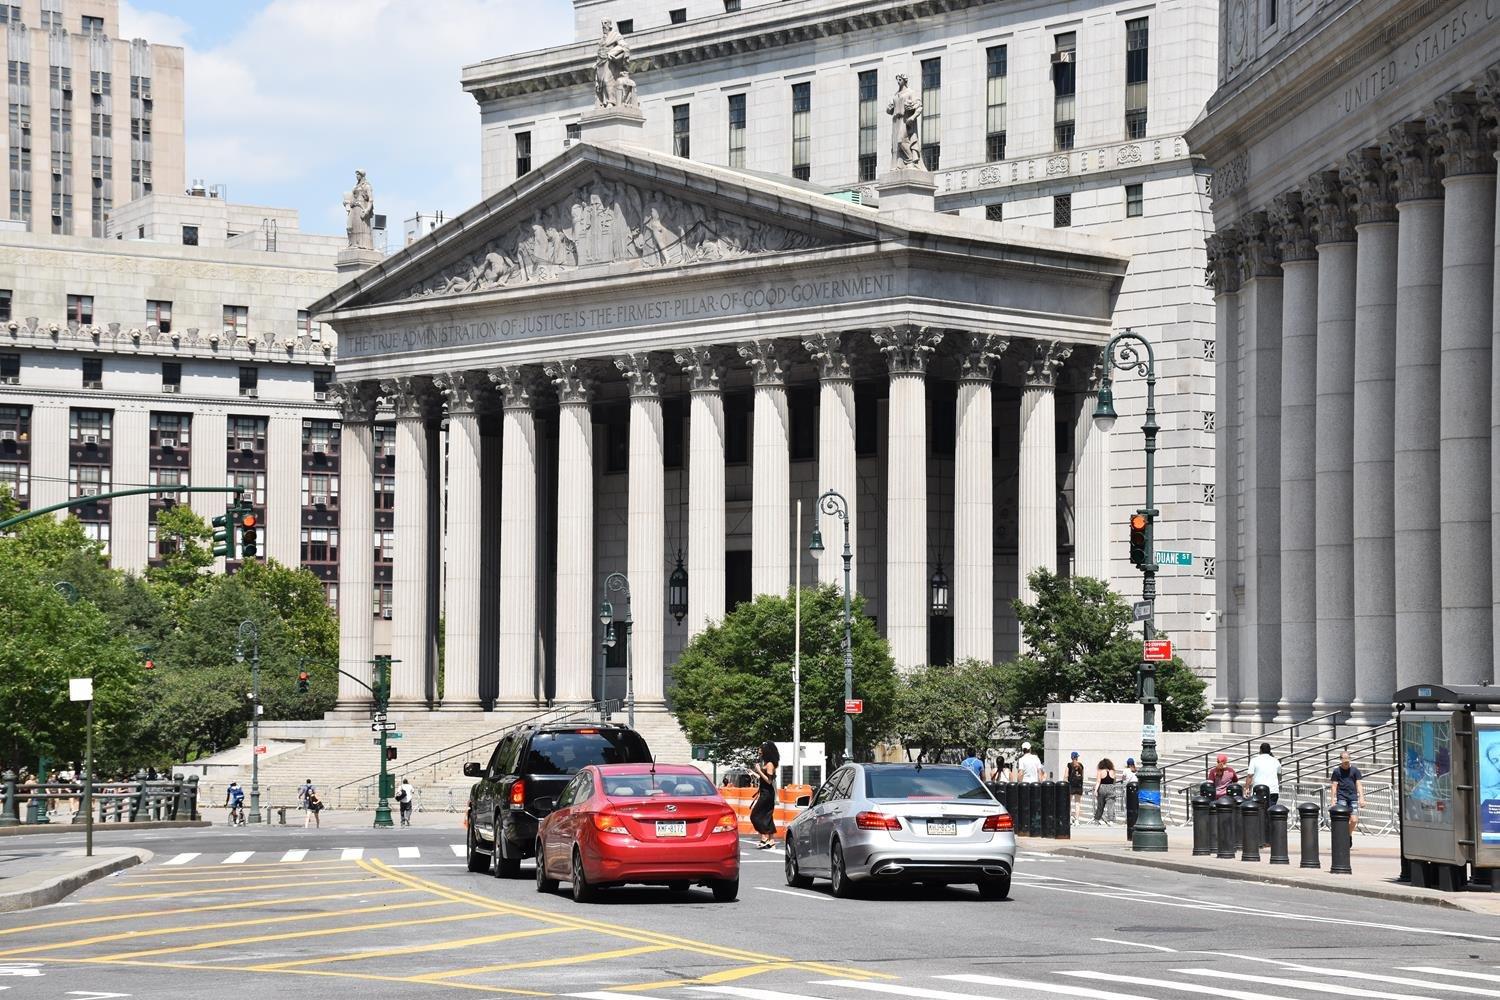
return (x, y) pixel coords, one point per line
(952, 707)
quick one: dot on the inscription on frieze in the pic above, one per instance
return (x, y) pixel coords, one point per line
(1418, 55)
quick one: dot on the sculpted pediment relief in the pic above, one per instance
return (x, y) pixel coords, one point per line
(606, 226)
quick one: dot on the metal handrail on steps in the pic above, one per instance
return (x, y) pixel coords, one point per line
(1329, 721)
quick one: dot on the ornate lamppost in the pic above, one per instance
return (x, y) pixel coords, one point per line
(619, 582)
(833, 502)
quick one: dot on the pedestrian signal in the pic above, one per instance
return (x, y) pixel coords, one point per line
(390, 753)
(1139, 525)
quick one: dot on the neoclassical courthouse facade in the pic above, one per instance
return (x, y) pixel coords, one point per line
(1354, 275)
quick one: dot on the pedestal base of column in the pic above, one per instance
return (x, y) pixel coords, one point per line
(461, 706)
(1324, 707)
(1365, 714)
(1288, 712)
(1253, 716)
(1220, 718)
(351, 707)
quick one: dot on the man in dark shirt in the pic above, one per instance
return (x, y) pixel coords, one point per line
(1346, 786)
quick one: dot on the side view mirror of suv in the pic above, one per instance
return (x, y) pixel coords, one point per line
(472, 769)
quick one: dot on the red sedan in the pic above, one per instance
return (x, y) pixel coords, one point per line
(633, 823)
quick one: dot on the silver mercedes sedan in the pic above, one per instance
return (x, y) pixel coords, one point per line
(902, 822)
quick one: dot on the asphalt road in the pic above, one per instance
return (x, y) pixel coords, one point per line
(289, 913)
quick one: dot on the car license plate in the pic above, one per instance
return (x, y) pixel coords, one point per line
(942, 828)
(674, 828)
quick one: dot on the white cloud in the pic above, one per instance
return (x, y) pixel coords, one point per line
(155, 26)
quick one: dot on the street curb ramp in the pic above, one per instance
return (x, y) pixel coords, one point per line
(60, 880)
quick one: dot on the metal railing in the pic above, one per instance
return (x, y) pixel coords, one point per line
(135, 800)
(1328, 721)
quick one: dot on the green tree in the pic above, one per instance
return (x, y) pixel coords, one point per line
(732, 687)
(953, 707)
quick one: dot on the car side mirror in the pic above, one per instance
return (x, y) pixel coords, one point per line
(473, 770)
(803, 801)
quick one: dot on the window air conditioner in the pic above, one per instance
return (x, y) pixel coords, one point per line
(170, 387)
(168, 443)
(11, 380)
(26, 123)
(320, 499)
(91, 439)
(385, 613)
(249, 392)
(7, 435)
(320, 396)
(88, 491)
(1066, 56)
(247, 444)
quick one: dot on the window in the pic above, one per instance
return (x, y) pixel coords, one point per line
(996, 59)
(15, 423)
(81, 309)
(249, 380)
(322, 379)
(869, 124)
(1064, 89)
(320, 545)
(736, 130)
(10, 369)
(1134, 201)
(385, 546)
(1062, 211)
(159, 311)
(93, 373)
(90, 426)
(189, 235)
(246, 434)
(730, 6)
(4, 305)
(252, 485)
(171, 430)
(995, 211)
(932, 113)
(171, 376)
(680, 126)
(237, 321)
(677, 15)
(1271, 13)
(385, 441)
(380, 599)
(320, 490)
(626, 25)
(98, 532)
(309, 329)
(802, 130)
(320, 437)
(575, 131)
(16, 476)
(93, 25)
(10, 13)
(331, 594)
(523, 153)
(88, 480)
(802, 415)
(385, 492)
(1137, 42)
(52, 16)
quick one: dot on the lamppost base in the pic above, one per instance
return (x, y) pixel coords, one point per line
(383, 816)
(1149, 840)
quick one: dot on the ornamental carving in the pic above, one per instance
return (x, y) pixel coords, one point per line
(979, 354)
(574, 380)
(1231, 175)
(1129, 153)
(411, 396)
(1461, 133)
(1260, 257)
(1057, 165)
(609, 224)
(1368, 177)
(1044, 364)
(357, 401)
(517, 385)
(1331, 206)
(1489, 101)
(704, 367)
(462, 390)
(989, 175)
(907, 349)
(644, 372)
(1223, 270)
(830, 353)
(1291, 225)
(768, 359)
(1409, 151)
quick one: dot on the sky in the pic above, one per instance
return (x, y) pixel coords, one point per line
(286, 98)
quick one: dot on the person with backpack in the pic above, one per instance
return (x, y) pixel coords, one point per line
(1075, 783)
(405, 797)
(314, 806)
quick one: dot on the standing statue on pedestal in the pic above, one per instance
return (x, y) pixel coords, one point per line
(360, 205)
(906, 119)
(613, 86)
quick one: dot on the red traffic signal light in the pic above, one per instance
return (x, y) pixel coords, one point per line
(302, 679)
(1139, 525)
(248, 546)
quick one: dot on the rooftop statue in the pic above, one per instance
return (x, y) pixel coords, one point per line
(613, 86)
(906, 119)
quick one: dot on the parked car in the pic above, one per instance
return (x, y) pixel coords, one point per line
(526, 773)
(902, 822)
(623, 823)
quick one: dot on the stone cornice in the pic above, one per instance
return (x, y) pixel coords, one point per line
(1043, 168)
(147, 340)
(183, 402)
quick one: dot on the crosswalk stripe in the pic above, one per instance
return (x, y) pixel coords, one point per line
(1303, 984)
(237, 858)
(408, 852)
(749, 993)
(296, 855)
(1200, 989)
(352, 854)
(1433, 970)
(458, 850)
(1400, 981)
(181, 859)
(1066, 989)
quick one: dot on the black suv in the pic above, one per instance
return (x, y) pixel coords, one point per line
(528, 770)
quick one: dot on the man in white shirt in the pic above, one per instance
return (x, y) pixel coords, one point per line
(1030, 765)
(1265, 770)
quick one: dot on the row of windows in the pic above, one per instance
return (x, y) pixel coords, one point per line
(1062, 207)
(80, 310)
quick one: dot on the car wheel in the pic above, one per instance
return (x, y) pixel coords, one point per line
(504, 867)
(794, 876)
(995, 887)
(582, 891)
(543, 883)
(726, 890)
(479, 862)
(843, 886)
(679, 886)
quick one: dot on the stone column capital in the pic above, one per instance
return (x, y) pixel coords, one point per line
(1290, 220)
(644, 372)
(907, 349)
(1460, 131)
(979, 354)
(830, 352)
(411, 396)
(1043, 362)
(1409, 151)
(704, 367)
(573, 379)
(357, 401)
(1260, 256)
(1367, 176)
(1332, 208)
(768, 359)
(465, 392)
(517, 385)
(1223, 270)
(1489, 102)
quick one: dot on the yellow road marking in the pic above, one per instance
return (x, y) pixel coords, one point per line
(722, 976)
(412, 949)
(238, 877)
(235, 888)
(314, 972)
(159, 872)
(540, 963)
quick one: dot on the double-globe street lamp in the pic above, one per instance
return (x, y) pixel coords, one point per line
(1135, 354)
(249, 631)
(833, 502)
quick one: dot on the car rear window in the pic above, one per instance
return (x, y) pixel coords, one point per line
(568, 752)
(923, 783)
(647, 785)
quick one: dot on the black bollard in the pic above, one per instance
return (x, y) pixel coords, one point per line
(1064, 811)
(1307, 821)
(1236, 796)
(8, 816)
(1340, 840)
(1262, 795)
(1276, 823)
(1025, 799)
(1033, 792)
(1048, 808)
(1132, 794)
(1203, 826)
(1206, 791)
(1249, 830)
(1224, 820)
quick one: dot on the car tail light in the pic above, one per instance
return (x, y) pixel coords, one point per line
(609, 823)
(518, 794)
(727, 822)
(1000, 823)
(876, 821)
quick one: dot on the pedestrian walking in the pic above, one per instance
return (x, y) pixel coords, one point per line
(1347, 788)
(1131, 779)
(1030, 765)
(1105, 780)
(763, 811)
(306, 786)
(1264, 769)
(974, 762)
(1075, 783)
(1002, 769)
(309, 796)
(1222, 776)
(405, 796)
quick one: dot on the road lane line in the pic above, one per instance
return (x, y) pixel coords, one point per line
(408, 852)
(792, 892)
(296, 855)
(1137, 944)
(1435, 971)
(711, 978)
(1066, 989)
(238, 875)
(609, 995)
(352, 854)
(1202, 989)
(301, 884)
(181, 859)
(1393, 980)
(415, 949)
(540, 963)
(237, 858)
(200, 967)
(1301, 984)
(458, 850)
(750, 993)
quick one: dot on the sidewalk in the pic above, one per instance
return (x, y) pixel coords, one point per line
(1376, 861)
(348, 819)
(27, 881)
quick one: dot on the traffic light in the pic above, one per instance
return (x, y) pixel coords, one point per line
(248, 522)
(1139, 525)
(224, 532)
(302, 682)
(390, 753)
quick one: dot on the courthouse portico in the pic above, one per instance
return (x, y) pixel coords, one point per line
(550, 334)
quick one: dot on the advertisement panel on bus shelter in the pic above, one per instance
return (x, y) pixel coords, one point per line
(1487, 790)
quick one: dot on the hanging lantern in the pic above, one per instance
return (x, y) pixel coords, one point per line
(677, 591)
(939, 594)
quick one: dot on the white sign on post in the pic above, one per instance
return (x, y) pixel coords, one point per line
(80, 689)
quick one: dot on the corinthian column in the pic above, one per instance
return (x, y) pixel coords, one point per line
(413, 590)
(1224, 276)
(646, 543)
(461, 548)
(771, 502)
(1090, 482)
(1037, 542)
(1489, 100)
(705, 369)
(575, 531)
(974, 499)
(519, 678)
(836, 467)
(1374, 436)
(1458, 130)
(357, 402)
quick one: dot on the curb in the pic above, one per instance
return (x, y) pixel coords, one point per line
(1265, 878)
(60, 887)
(36, 829)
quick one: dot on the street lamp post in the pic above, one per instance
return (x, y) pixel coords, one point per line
(833, 502)
(620, 582)
(251, 631)
(1135, 354)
